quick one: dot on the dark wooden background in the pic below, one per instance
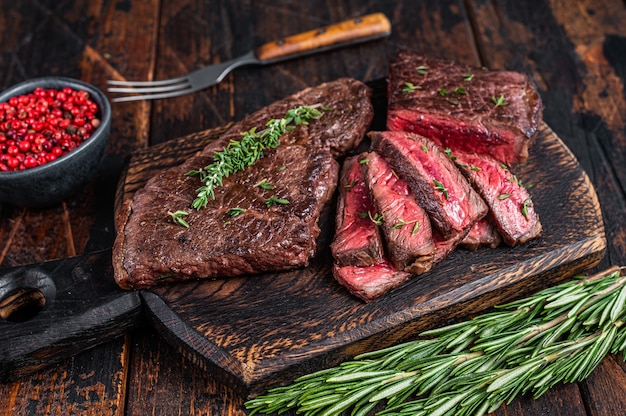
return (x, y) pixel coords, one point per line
(575, 51)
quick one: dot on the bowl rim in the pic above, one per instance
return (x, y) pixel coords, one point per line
(55, 82)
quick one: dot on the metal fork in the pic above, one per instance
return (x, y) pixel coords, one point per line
(345, 33)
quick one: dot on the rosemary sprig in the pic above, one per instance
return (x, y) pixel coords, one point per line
(470, 368)
(238, 155)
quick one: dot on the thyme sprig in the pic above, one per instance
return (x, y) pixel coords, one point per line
(178, 217)
(239, 154)
(440, 187)
(557, 335)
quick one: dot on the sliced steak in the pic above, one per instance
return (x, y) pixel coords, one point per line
(357, 240)
(439, 187)
(445, 246)
(464, 108)
(483, 233)
(369, 282)
(405, 224)
(508, 200)
(150, 248)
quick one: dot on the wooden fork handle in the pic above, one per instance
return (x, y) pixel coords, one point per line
(360, 29)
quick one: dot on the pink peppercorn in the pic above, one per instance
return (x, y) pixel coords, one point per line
(44, 125)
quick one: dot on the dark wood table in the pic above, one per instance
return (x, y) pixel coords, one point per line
(575, 51)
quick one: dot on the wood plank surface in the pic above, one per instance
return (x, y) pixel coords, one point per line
(574, 50)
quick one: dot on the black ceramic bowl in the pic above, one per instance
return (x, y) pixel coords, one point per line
(54, 181)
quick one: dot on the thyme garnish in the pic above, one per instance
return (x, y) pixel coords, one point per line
(233, 212)
(443, 91)
(376, 218)
(503, 196)
(350, 185)
(469, 76)
(557, 335)
(409, 86)
(178, 217)
(439, 187)
(461, 90)
(524, 209)
(401, 223)
(499, 101)
(264, 184)
(274, 200)
(422, 69)
(448, 152)
(424, 148)
(238, 155)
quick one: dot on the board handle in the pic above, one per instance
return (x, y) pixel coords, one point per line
(54, 310)
(360, 29)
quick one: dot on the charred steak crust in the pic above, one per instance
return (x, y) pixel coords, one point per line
(150, 248)
(464, 108)
(439, 187)
(357, 240)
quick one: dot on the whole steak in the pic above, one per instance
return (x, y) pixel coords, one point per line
(260, 235)
(464, 108)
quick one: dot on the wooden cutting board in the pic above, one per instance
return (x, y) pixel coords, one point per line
(254, 332)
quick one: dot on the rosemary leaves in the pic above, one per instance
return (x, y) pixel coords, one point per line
(470, 368)
(241, 154)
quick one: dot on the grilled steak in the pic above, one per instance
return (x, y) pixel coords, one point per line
(369, 282)
(439, 187)
(357, 240)
(445, 246)
(482, 234)
(405, 224)
(464, 108)
(507, 198)
(150, 248)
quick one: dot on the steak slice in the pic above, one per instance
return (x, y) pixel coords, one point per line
(357, 240)
(405, 224)
(150, 248)
(508, 200)
(483, 233)
(369, 282)
(464, 108)
(445, 246)
(439, 187)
